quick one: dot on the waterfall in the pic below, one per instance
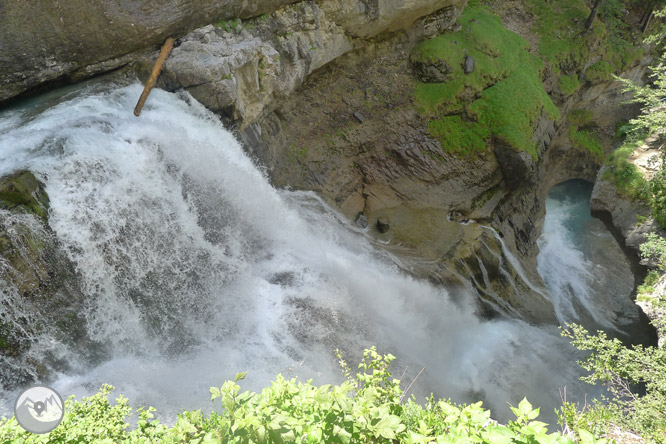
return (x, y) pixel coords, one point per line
(580, 261)
(194, 268)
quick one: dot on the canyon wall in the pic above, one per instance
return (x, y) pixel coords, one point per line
(321, 93)
(68, 40)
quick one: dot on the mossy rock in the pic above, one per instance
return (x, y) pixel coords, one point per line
(24, 250)
(21, 191)
(502, 98)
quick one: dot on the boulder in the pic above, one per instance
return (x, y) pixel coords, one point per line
(468, 64)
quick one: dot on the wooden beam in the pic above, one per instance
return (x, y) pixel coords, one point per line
(164, 53)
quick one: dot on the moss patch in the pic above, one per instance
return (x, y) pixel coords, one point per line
(503, 97)
(566, 46)
(624, 175)
(22, 191)
(599, 72)
(579, 117)
(586, 140)
(569, 84)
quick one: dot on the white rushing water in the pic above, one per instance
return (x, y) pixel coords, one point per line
(586, 272)
(195, 268)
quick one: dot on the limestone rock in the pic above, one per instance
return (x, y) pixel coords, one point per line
(518, 167)
(242, 74)
(78, 38)
(622, 212)
(75, 39)
(468, 64)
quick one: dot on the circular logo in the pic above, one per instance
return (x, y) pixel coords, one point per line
(39, 409)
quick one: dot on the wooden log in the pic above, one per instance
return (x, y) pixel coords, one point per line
(164, 53)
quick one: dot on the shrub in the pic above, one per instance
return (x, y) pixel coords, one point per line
(368, 407)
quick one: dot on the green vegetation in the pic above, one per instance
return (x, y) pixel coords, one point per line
(647, 286)
(579, 117)
(620, 369)
(503, 93)
(566, 46)
(601, 71)
(627, 178)
(369, 407)
(569, 84)
(229, 25)
(586, 140)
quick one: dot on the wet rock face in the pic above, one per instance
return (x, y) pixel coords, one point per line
(22, 192)
(38, 285)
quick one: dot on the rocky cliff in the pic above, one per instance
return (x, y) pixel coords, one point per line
(328, 108)
(322, 93)
(45, 41)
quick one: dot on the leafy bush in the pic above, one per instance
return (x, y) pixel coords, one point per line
(620, 369)
(369, 407)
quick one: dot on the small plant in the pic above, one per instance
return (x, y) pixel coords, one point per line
(229, 25)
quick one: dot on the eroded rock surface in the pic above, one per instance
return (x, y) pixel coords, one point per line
(38, 284)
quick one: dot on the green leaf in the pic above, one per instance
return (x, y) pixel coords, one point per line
(585, 437)
(525, 407)
(389, 426)
(240, 376)
(499, 435)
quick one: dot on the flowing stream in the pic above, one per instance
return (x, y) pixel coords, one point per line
(195, 268)
(588, 275)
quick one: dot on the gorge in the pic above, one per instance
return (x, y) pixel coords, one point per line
(174, 255)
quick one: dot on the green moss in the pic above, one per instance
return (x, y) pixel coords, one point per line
(505, 89)
(22, 191)
(457, 135)
(495, 50)
(624, 175)
(569, 84)
(586, 140)
(566, 46)
(557, 24)
(647, 286)
(579, 117)
(599, 72)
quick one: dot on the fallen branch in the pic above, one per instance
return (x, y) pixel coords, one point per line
(404, 394)
(164, 53)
